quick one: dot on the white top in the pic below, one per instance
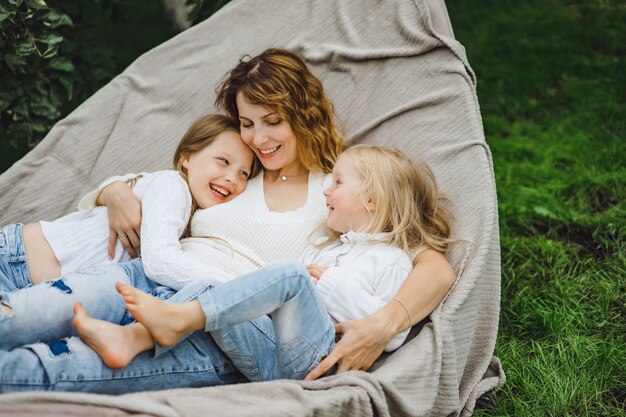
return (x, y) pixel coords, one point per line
(80, 239)
(362, 276)
(242, 235)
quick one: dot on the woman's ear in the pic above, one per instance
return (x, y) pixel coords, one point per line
(371, 207)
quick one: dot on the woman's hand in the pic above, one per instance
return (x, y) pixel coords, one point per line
(361, 344)
(124, 209)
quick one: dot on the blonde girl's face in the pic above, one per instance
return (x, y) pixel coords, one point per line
(348, 209)
(269, 136)
(218, 172)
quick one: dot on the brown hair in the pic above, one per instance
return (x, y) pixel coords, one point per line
(408, 205)
(280, 80)
(201, 134)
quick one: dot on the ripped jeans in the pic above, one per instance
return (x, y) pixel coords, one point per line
(44, 312)
(254, 348)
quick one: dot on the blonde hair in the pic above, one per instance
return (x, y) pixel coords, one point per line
(280, 80)
(201, 134)
(408, 207)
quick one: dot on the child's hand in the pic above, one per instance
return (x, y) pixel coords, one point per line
(316, 271)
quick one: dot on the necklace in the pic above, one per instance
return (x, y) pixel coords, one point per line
(286, 177)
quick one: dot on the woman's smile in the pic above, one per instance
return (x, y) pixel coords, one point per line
(268, 152)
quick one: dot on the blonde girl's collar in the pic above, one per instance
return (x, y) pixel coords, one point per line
(356, 237)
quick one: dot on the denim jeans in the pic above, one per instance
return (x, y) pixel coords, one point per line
(13, 269)
(70, 365)
(251, 345)
(303, 329)
(271, 348)
(44, 312)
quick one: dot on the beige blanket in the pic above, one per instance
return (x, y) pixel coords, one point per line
(394, 82)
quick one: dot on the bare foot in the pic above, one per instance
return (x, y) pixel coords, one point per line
(116, 345)
(168, 323)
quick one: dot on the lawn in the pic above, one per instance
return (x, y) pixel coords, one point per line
(552, 90)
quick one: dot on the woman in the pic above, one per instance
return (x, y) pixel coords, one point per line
(287, 121)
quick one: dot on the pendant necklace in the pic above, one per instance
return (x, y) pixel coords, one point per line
(286, 177)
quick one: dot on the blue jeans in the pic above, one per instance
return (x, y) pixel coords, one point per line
(69, 365)
(243, 343)
(44, 312)
(13, 269)
(304, 332)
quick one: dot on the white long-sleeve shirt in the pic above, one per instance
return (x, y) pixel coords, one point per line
(80, 239)
(362, 276)
(241, 235)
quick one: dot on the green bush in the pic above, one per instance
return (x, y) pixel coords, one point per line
(55, 54)
(36, 77)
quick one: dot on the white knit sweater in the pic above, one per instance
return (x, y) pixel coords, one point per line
(238, 236)
(243, 235)
(362, 276)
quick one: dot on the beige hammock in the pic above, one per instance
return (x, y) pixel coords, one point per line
(395, 82)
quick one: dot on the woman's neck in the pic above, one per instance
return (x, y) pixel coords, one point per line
(284, 175)
(285, 195)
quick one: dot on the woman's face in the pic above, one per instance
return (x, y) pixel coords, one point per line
(269, 136)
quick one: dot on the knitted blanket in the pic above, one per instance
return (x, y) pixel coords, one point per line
(394, 82)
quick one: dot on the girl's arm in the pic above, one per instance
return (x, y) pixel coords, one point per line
(166, 207)
(364, 340)
(124, 210)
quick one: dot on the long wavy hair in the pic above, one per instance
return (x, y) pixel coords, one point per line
(408, 206)
(280, 81)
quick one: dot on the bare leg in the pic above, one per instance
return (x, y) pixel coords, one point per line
(116, 345)
(168, 323)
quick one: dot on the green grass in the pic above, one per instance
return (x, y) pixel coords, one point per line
(552, 89)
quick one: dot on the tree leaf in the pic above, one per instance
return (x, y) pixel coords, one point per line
(56, 18)
(45, 106)
(25, 48)
(61, 64)
(19, 133)
(68, 85)
(36, 4)
(15, 62)
(21, 109)
(5, 14)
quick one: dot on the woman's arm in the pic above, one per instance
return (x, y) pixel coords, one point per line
(124, 209)
(364, 340)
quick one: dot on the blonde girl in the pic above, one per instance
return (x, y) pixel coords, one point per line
(212, 166)
(381, 208)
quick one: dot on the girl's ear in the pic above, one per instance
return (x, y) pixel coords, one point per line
(185, 160)
(370, 205)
